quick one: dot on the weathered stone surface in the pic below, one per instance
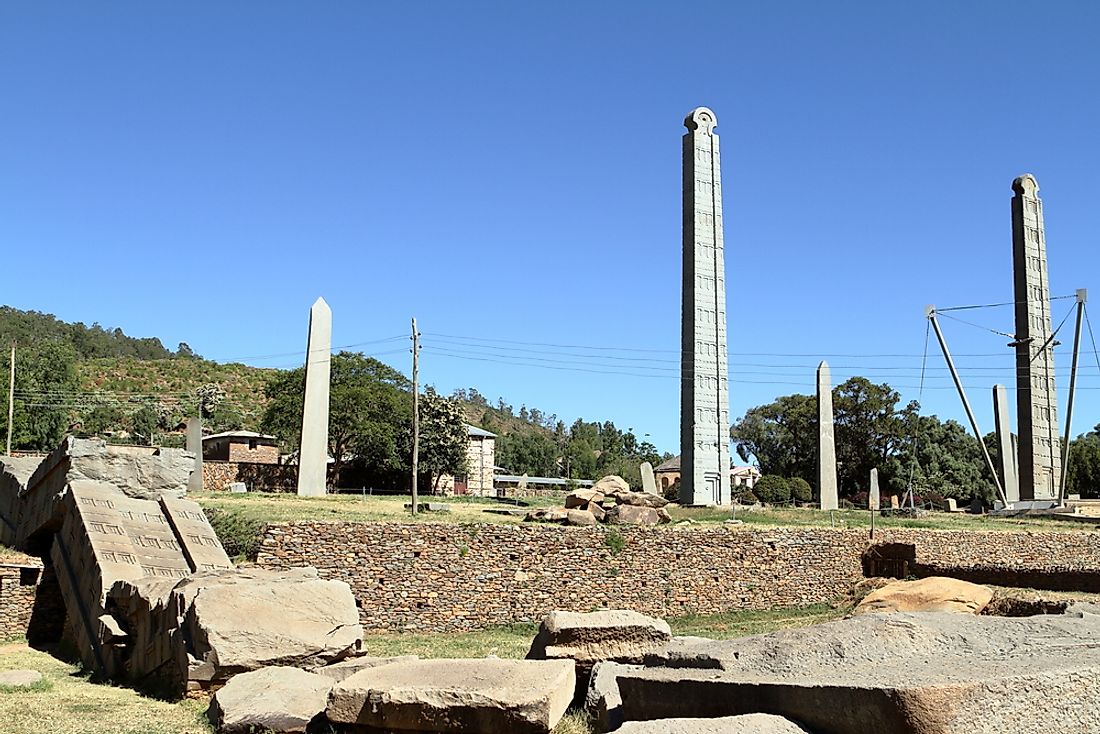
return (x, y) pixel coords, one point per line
(582, 496)
(579, 517)
(746, 724)
(489, 695)
(244, 619)
(610, 485)
(19, 678)
(633, 515)
(346, 668)
(602, 701)
(649, 482)
(276, 699)
(548, 514)
(663, 515)
(612, 634)
(14, 473)
(874, 496)
(197, 539)
(597, 511)
(932, 594)
(641, 499)
(904, 673)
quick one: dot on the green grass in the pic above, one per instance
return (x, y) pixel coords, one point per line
(67, 703)
(261, 507)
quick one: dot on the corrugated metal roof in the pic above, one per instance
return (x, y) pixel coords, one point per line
(238, 434)
(475, 431)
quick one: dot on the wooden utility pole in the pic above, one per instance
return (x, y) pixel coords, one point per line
(416, 413)
(11, 395)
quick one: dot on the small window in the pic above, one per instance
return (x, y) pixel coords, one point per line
(251, 444)
(28, 576)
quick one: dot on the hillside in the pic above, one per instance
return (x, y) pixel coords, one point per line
(173, 383)
(88, 342)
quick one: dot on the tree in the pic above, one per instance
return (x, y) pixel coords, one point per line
(144, 422)
(781, 435)
(104, 419)
(772, 488)
(942, 458)
(870, 429)
(444, 440)
(801, 491)
(46, 387)
(1083, 471)
(370, 413)
(209, 397)
(528, 452)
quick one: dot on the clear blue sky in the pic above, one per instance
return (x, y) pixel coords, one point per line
(202, 171)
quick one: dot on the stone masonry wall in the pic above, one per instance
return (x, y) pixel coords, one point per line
(218, 475)
(444, 577)
(17, 588)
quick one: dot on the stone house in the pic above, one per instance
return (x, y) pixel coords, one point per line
(480, 458)
(244, 447)
(668, 473)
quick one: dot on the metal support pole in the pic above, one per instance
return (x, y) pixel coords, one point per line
(930, 312)
(1082, 297)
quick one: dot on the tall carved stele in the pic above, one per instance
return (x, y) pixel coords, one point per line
(313, 449)
(1040, 463)
(826, 442)
(704, 368)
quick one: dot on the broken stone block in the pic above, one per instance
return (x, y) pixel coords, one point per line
(488, 695)
(641, 499)
(932, 594)
(588, 638)
(904, 673)
(633, 515)
(747, 724)
(602, 701)
(597, 511)
(581, 497)
(276, 699)
(346, 668)
(548, 514)
(14, 473)
(579, 517)
(19, 678)
(611, 485)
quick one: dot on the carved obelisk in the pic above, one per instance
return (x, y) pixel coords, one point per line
(313, 448)
(704, 365)
(826, 442)
(194, 445)
(1005, 447)
(1040, 461)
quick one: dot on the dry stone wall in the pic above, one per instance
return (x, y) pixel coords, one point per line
(17, 587)
(443, 577)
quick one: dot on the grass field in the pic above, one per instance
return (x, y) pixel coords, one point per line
(355, 508)
(69, 704)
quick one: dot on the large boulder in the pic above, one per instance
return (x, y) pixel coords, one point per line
(489, 695)
(747, 724)
(602, 702)
(611, 485)
(904, 673)
(548, 514)
(582, 496)
(276, 699)
(633, 515)
(933, 594)
(579, 517)
(641, 499)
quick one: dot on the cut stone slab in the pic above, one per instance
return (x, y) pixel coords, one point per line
(590, 637)
(602, 701)
(633, 515)
(511, 511)
(747, 724)
(904, 673)
(19, 678)
(488, 695)
(277, 699)
(345, 669)
(932, 594)
(548, 514)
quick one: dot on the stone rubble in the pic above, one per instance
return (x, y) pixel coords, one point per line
(275, 699)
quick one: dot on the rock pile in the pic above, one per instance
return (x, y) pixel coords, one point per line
(609, 500)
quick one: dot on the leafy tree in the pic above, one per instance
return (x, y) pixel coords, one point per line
(870, 429)
(209, 397)
(772, 488)
(781, 435)
(45, 383)
(944, 459)
(144, 422)
(1083, 471)
(801, 491)
(370, 413)
(528, 452)
(103, 419)
(443, 437)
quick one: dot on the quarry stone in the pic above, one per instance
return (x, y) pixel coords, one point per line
(346, 668)
(932, 594)
(277, 699)
(610, 485)
(19, 678)
(641, 499)
(583, 496)
(488, 695)
(633, 515)
(746, 724)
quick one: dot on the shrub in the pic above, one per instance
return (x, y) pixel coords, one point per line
(672, 491)
(801, 491)
(615, 542)
(239, 535)
(772, 489)
(745, 496)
